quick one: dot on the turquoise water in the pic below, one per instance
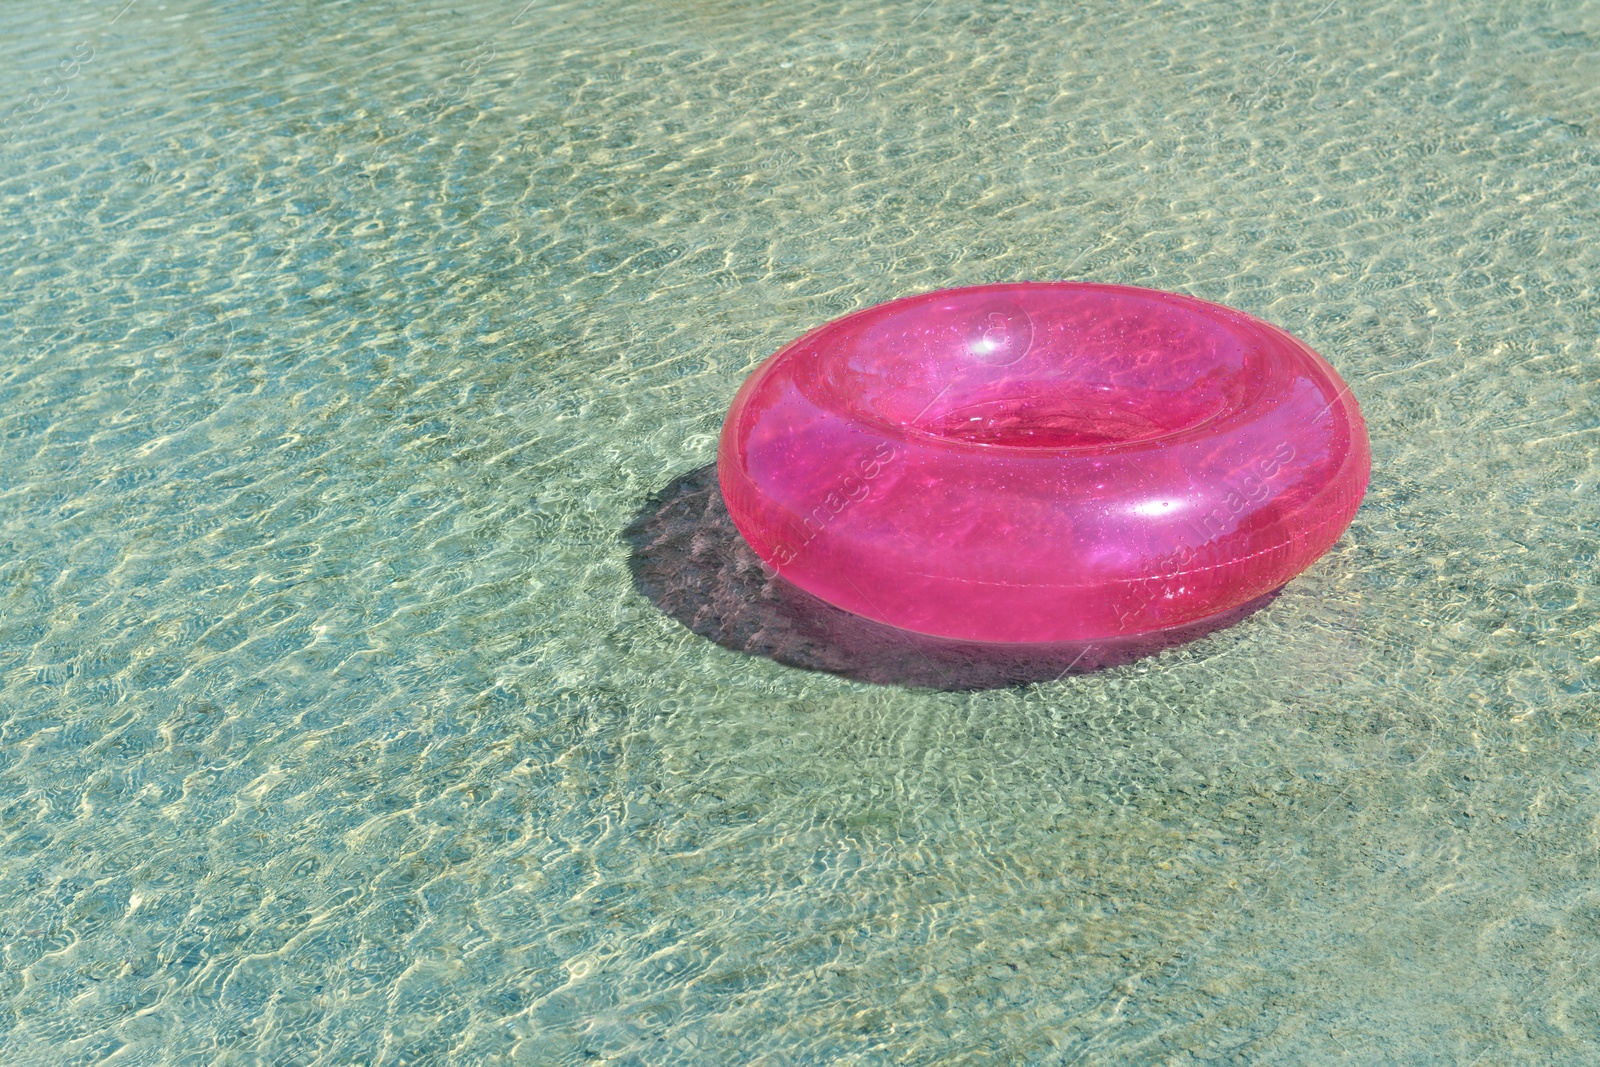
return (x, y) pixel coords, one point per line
(365, 684)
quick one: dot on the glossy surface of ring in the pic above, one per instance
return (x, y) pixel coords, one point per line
(1043, 461)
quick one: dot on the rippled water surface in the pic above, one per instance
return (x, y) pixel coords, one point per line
(380, 684)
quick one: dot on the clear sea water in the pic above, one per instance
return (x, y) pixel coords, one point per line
(379, 684)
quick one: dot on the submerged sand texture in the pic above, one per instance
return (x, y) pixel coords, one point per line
(345, 348)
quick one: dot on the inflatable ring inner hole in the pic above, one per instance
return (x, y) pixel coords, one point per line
(978, 368)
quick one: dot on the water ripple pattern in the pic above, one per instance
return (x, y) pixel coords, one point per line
(342, 344)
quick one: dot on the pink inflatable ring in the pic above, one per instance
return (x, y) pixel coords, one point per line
(1043, 461)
